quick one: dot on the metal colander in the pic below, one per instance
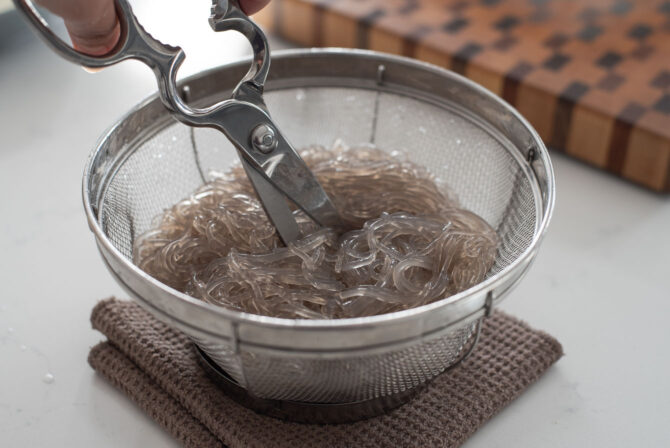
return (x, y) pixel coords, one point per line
(495, 163)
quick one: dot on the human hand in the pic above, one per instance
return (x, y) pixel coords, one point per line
(94, 26)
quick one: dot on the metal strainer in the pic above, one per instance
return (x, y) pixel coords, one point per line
(493, 160)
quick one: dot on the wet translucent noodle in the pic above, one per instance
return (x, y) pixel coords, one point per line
(408, 243)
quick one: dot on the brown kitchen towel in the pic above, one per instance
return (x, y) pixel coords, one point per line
(158, 368)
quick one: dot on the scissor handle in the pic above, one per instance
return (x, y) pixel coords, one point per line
(136, 43)
(228, 15)
(119, 53)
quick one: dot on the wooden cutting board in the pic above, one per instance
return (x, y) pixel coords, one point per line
(593, 77)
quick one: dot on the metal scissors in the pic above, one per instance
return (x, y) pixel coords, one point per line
(273, 166)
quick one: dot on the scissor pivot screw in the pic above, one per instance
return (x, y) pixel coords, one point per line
(263, 138)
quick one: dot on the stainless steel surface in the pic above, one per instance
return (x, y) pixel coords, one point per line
(236, 117)
(467, 136)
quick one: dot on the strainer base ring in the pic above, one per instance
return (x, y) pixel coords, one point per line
(302, 412)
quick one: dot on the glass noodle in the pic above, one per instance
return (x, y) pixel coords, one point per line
(408, 243)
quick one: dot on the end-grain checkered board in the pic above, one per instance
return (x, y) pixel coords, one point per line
(592, 76)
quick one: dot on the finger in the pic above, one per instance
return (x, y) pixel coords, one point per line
(253, 6)
(96, 40)
(92, 24)
(96, 30)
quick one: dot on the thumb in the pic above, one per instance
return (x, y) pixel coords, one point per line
(97, 34)
(252, 6)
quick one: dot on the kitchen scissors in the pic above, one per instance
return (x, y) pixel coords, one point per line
(274, 168)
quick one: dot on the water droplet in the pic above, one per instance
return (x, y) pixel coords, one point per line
(23, 348)
(459, 141)
(422, 129)
(48, 378)
(10, 330)
(300, 95)
(174, 138)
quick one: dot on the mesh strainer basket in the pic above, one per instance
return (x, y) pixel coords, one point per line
(495, 163)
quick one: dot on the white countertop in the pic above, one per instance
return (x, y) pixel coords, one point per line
(601, 283)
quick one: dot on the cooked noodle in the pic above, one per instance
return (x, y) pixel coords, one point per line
(408, 243)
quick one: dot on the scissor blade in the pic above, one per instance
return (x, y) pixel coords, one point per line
(289, 174)
(280, 164)
(288, 171)
(275, 205)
